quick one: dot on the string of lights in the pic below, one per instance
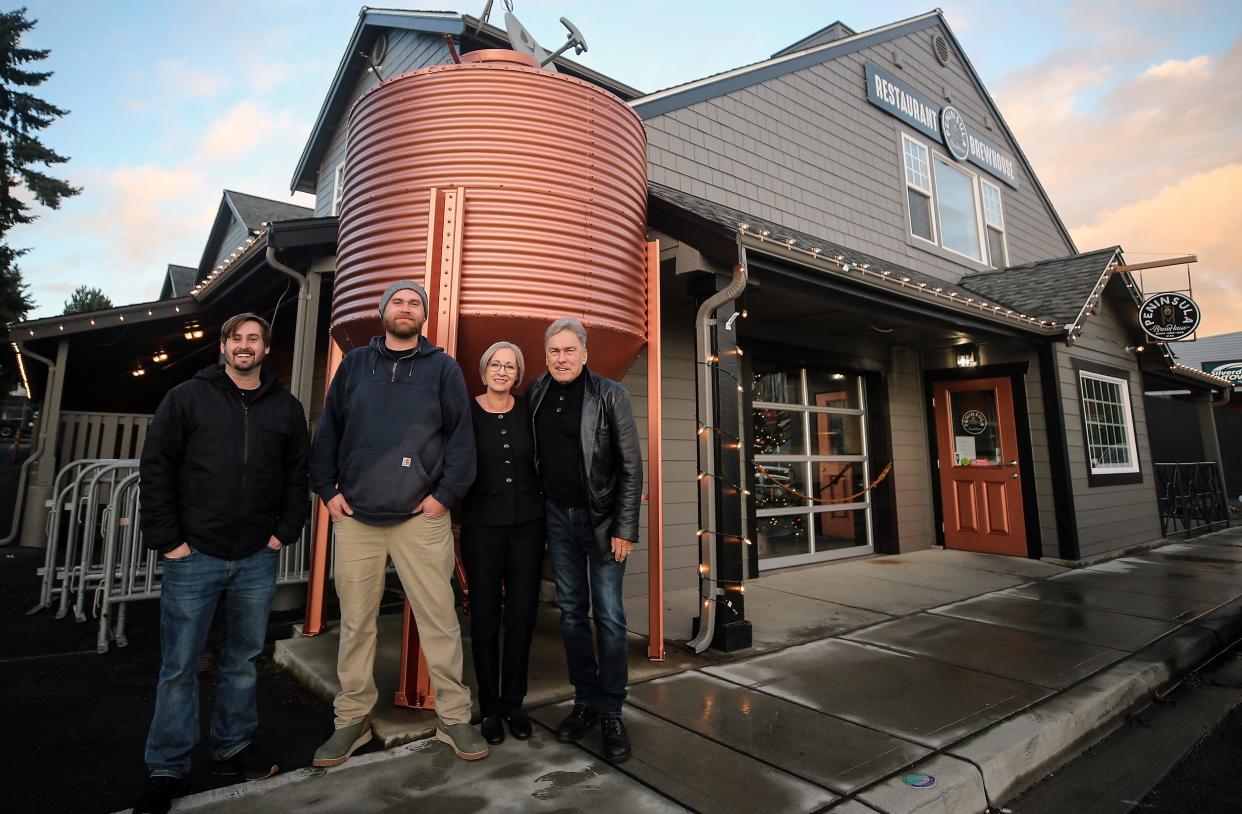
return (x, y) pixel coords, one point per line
(847, 499)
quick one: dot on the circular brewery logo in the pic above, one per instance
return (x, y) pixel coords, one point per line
(953, 129)
(1169, 317)
(974, 422)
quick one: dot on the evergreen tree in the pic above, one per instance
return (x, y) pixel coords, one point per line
(22, 117)
(86, 298)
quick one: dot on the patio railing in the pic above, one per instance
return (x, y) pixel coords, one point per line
(1191, 497)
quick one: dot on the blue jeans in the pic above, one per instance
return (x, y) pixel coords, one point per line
(587, 585)
(192, 586)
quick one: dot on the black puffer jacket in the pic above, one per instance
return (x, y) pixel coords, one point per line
(222, 476)
(611, 458)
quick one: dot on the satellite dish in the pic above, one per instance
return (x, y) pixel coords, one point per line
(576, 41)
(521, 40)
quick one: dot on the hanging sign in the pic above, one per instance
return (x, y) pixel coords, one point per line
(1226, 370)
(974, 422)
(1169, 317)
(944, 124)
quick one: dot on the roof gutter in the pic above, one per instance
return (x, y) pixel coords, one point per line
(299, 326)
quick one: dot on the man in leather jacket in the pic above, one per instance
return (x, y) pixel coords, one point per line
(590, 467)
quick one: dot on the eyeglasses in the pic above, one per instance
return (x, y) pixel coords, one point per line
(496, 367)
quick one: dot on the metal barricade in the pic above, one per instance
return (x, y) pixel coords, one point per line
(1191, 498)
(100, 489)
(131, 572)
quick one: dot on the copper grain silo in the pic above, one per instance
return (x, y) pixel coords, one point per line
(517, 193)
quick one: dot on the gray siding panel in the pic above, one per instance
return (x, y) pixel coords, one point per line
(407, 51)
(234, 237)
(808, 151)
(1108, 517)
(911, 457)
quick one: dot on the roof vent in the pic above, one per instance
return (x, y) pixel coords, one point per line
(940, 46)
(379, 50)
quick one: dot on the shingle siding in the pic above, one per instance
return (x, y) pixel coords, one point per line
(808, 151)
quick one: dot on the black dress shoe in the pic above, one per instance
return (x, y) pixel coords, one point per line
(616, 739)
(250, 763)
(577, 723)
(493, 730)
(158, 793)
(519, 724)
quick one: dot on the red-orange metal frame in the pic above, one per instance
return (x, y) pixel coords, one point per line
(655, 462)
(317, 580)
(441, 279)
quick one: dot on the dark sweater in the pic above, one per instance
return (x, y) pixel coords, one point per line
(559, 428)
(506, 490)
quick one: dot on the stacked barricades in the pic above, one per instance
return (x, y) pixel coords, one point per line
(94, 545)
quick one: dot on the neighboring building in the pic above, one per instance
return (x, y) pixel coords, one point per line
(928, 357)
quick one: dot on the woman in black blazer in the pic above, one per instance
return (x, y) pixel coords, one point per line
(502, 544)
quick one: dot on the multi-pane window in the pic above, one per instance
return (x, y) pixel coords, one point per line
(955, 204)
(1108, 423)
(918, 189)
(994, 223)
(811, 466)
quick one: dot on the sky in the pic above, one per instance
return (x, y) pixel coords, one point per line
(1129, 112)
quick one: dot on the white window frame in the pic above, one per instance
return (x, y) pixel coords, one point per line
(1123, 388)
(805, 462)
(338, 187)
(953, 166)
(984, 186)
(907, 142)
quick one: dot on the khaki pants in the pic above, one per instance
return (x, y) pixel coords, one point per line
(422, 551)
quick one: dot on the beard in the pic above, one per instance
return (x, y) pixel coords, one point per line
(403, 329)
(244, 363)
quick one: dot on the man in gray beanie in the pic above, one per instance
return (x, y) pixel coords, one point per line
(394, 450)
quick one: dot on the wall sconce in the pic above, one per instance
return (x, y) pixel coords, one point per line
(1135, 348)
(138, 371)
(967, 355)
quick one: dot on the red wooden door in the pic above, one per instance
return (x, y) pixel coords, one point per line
(980, 479)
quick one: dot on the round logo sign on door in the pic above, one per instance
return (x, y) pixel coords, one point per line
(974, 422)
(1169, 317)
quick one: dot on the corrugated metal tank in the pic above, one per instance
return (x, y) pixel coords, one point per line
(553, 218)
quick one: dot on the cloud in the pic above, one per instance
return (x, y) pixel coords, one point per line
(1197, 214)
(241, 129)
(1196, 68)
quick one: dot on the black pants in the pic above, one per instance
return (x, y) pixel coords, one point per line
(512, 557)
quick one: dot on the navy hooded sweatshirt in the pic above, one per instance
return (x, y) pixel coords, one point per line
(395, 428)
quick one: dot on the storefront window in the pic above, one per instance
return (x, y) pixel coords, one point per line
(976, 437)
(811, 467)
(1109, 425)
(955, 204)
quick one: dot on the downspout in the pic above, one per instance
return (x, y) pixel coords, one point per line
(708, 441)
(295, 377)
(20, 503)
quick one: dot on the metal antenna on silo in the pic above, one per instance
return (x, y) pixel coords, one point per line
(576, 41)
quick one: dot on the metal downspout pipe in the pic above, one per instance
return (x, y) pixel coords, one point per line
(295, 377)
(709, 439)
(20, 502)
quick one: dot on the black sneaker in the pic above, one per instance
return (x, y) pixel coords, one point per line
(158, 793)
(248, 764)
(577, 723)
(616, 739)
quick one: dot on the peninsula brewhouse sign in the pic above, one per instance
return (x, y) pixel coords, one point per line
(1169, 317)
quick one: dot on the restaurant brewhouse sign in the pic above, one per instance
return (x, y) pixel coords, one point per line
(942, 123)
(1168, 317)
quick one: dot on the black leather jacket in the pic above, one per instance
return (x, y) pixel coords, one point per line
(611, 458)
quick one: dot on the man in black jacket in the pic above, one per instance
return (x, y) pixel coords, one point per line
(592, 474)
(224, 488)
(394, 450)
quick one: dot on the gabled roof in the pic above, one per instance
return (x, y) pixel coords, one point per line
(178, 280)
(786, 62)
(371, 22)
(251, 212)
(842, 260)
(1055, 289)
(1219, 348)
(829, 33)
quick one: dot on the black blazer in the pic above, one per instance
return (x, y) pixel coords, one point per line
(506, 488)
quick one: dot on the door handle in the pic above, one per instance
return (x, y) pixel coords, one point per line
(1014, 475)
(1011, 463)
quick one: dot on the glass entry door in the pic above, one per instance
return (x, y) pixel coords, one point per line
(811, 465)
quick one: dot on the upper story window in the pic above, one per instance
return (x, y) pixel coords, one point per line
(953, 207)
(918, 189)
(338, 188)
(994, 222)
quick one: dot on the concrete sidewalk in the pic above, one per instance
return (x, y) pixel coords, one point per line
(937, 681)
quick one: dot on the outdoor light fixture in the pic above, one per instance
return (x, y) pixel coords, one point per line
(836, 377)
(193, 332)
(138, 371)
(159, 356)
(967, 356)
(1135, 348)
